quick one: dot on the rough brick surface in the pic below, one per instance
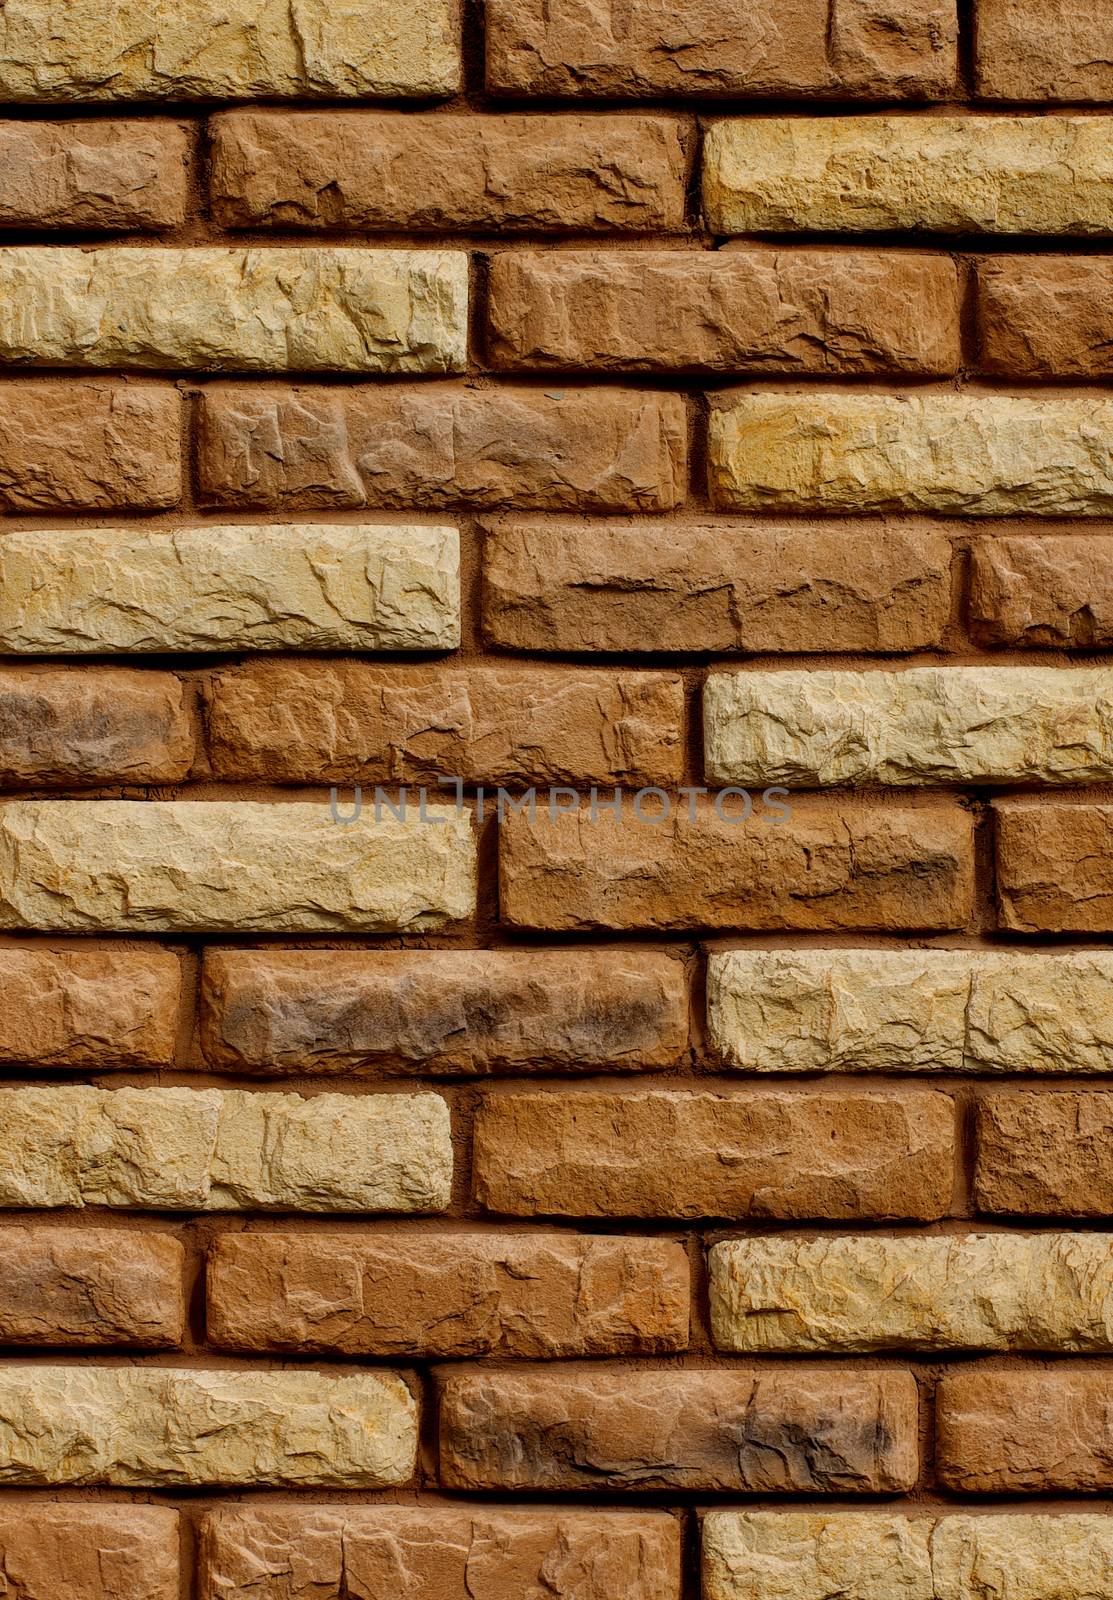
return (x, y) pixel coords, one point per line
(107, 726)
(1042, 50)
(1046, 317)
(1055, 868)
(88, 1008)
(1024, 1432)
(89, 1286)
(1050, 592)
(89, 1552)
(67, 446)
(1044, 1153)
(118, 175)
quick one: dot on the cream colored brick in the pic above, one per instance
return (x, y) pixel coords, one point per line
(974, 455)
(223, 310)
(1029, 1557)
(816, 1555)
(161, 1427)
(304, 586)
(224, 1150)
(87, 50)
(929, 725)
(1041, 175)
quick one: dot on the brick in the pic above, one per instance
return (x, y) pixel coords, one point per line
(1044, 1153)
(89, 1552)
(971, 455)
(236, 866)
(1047, 592)
(1024, 1431)
(1045, 317)
(912, 1010)
(990, 1291)
(225, 50)
(815, 1555)
(119, 175)
(590, 450)
(224, 310)
(102, 726)
(661, 1153)
(821, 867)
(724, 311)
(90, 1286)
(72, 446)
(158, 1427)
(1038, 1557)
(305, 722)
(302, 586)
(868, 49)
(930, 725)
(1039, 50)
(88, 1008)
(714, 587)
(456, 1011)
(439, 1552)
(1055, 868)
(458, 1294)
(811, 1431)
(382, 170)
(1000, 174)
(224, 1150)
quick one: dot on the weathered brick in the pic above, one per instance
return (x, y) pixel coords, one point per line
(869, 49)
(158, 1426)
(224, 1150)
(1052, 591)
(1024, 1432)
(1059, 1557)
(558, 172)
(972, 455)
(808, 1431)
(106, 725)
(89, 1552)
(302, 586)
(71, 446)
(90, 1286)
(821, 867)
(1045, 316)
(724, 311)
(1055, 867)
(591, 450)
(1044, 50)
(661, 1153)
(458, 1294)
(88, 1008)
(816, 1555)
(225, 49)
(1034, 175)
(116, 175)
(715, 587)
(1044, 1153)
(457, 1011)
(438, 1553)
(237, 866)
(224, 310)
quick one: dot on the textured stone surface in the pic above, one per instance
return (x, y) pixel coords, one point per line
(1038, 175)
(362, 169)
(990, 1291)
(930, 725)
(1051, 591)
(223, 310)
(457, 1011)
(71, 446)
(660, 1153)
(102, 726)
(593, 449)
(343, 721)
(1023, 1432)
(724, 311)
(122, 1552)
(968, 455)
(300, 586)
(438, 1553)
(813, 1430)
(715, 587)
(237, 866)
(114, 175)
(453, 1294)
(224, 1150)
(884, 49)
(82, 1286)
(1046, 316)
(822, 867)
(1044, 50)
(160, 1427)
(1055, 867)
(1045, 1153)
(817, 1555)
(225, 49)
(1027, 1557)
(88, 1008)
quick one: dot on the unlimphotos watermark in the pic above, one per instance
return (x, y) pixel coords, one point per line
(650, 806)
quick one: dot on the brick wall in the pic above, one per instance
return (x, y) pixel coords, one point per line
(502, 1202)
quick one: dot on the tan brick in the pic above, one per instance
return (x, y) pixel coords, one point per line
(224, 1150)
(458, 1294)
(90, 1286)
(822, 867)
(811, 1431)
(360, 169)
(972, 455)
(661, 1153)
(724, 311)
(301, 586)
(72, 446)
(1057, 1557)
(593, 449)
(85, 1552)
(1051, 591)
(1024, 1431)
(101, 726)
(88, 1008)
(456, 1011)
(1044, 1153)
(236, 866)
(714, 587)
(816, 1555)
(117, 175)
(1044, 50)
(158, 1427)
(1045, 316)
(1055, 867)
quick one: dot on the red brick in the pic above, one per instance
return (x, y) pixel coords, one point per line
(90, 1286)
(1046, 316)
(1054, 591)
(1055, 867)
(1024, 1432)
(1044, 50)
(78, 446)
(1045, 1153)
(97, 174)
(78, 1008)
(97, 725)
(83, 1552)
